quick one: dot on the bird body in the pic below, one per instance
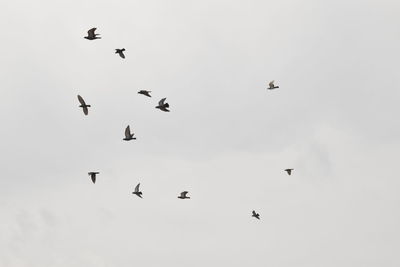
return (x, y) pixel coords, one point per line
(272, 85)
(92, 35)
(93, 176)
(289, 171)
(184, 195)
(255, 215)
(145, 92)
(162, 105)
(83, 105)
(128, 134)
(120, 52)
(137, 192)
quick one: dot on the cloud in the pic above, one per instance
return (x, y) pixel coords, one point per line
(226, 140)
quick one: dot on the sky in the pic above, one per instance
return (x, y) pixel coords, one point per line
(226, 140)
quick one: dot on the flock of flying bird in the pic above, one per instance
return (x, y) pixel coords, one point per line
(162, 105)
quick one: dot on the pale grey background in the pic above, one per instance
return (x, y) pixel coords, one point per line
(226, 140)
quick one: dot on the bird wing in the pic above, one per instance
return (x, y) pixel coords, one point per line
(93, 177)
(137, 188)
(91, 32)
(81, 100)
(271, 83)
(184, 193)
(121, 54)
(128, 132)
(161, 103)
(85, 110)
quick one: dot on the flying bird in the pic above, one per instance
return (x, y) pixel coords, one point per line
(93, 176)
(145, 92)
(128, 134)
(137, 192)
(83, 105)
(183, 195)
(272, 85)
(163, 106)
(255, 215)
(92, 35)
(289, 171)
(120, 52)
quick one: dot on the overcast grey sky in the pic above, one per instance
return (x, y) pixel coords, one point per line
(226, 140)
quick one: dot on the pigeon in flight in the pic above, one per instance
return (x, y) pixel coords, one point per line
(93, 176)
(145, 92)
(120, 52)
(255, 215)
(128, 134)
(183, 195)
(289, 171)
(92, 35)
(137, 192)
(272, 85)
(83, 105)
(163, 106)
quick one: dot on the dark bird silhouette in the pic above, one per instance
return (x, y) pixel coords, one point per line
(183, 195)
(92, 35)
(289, 171)
(83, 105)
(120, 52)
(145, 92)
(163, 106)
(137, 192)
(93, 176)
(255, 215)
(272, 85)
(128, 134)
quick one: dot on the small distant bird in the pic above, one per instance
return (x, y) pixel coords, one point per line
(145, 92)
(137, 192)
(128, 134)
(255, 215)
(272, 85)
(183, 195)
(120, 52)
(163, 106)
(92, 35)
(93, 176)
(83, 105)
(289, 171)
